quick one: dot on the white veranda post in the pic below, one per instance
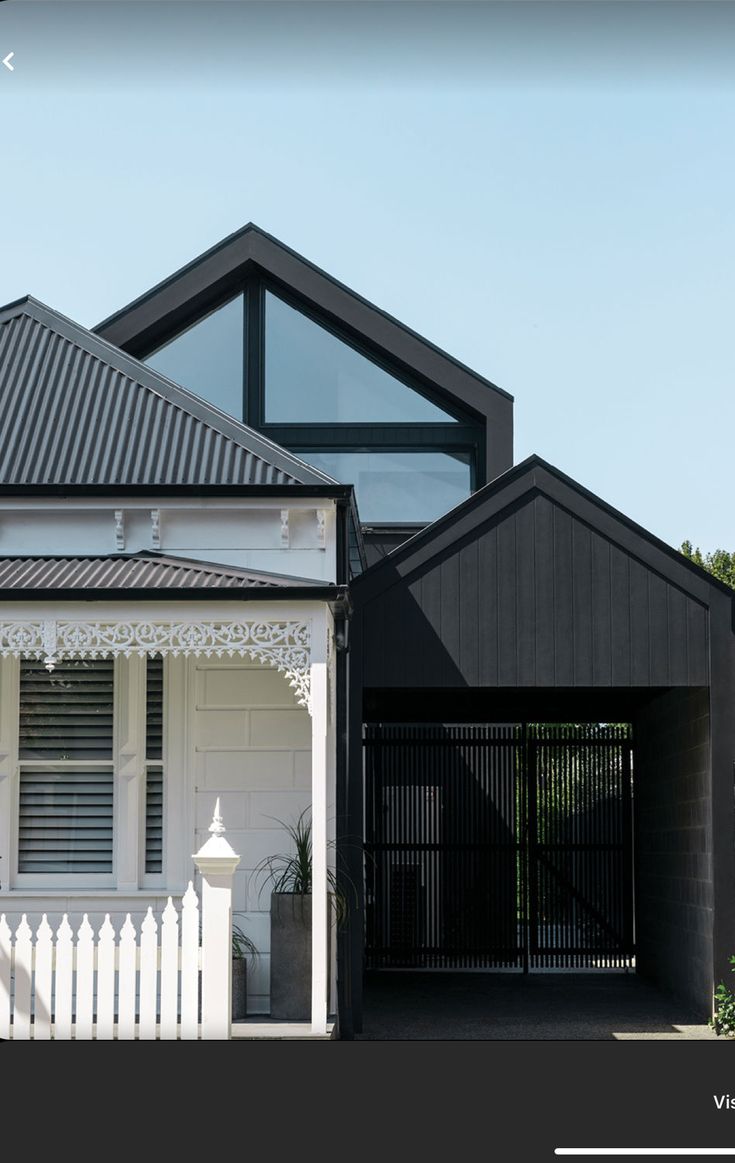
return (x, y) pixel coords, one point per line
(319, 768)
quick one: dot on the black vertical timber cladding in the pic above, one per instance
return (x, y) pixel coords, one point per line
(351, 963)
(563, 581)
(502, 580)
(545, 594)
(620, 632)
(535, 597)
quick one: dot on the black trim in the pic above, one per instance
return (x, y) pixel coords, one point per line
(254, 342)
(251, 254)
(345, 841)
(337, 594)
(335, 491)
(236, 252)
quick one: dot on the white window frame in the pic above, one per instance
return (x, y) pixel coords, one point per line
(128, 763)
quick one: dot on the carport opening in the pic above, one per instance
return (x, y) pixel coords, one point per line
(542, 846)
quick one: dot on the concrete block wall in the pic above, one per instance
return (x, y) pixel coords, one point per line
(673, 846)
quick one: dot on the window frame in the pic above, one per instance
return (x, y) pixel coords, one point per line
(129, 724)
(304, 450)
(406, 377)
(465, 433)
(190, 324)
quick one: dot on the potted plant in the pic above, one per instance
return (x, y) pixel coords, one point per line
(242, 947)
(289, 875)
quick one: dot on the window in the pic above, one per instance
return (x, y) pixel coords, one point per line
(287, 373)
(207, 358)
(399, 486)
(72, 725)
(66, 770)
(312, 377)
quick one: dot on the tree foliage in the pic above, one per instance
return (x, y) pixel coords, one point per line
(720, 564)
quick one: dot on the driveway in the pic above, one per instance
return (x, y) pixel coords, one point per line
(460, 1006)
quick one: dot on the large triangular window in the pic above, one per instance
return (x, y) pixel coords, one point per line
(313, 377)
(207, 358)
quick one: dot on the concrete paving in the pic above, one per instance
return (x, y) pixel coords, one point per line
(405, 1005)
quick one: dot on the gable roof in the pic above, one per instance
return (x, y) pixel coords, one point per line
(208, 280)
(535, 476)
(76, 410)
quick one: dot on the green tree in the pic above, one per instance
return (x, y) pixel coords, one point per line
(720, 564)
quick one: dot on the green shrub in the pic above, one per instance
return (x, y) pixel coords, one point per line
(723, 1022)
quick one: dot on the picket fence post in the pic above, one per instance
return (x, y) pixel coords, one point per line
(217, 863)
(189, 965)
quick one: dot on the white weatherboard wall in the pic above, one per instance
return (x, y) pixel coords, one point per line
(252, 747)
(281, 536)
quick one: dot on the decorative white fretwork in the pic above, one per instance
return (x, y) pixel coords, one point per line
(285, 533)
(119, 529)
(156, 528)
(284, 645)
(321, 527)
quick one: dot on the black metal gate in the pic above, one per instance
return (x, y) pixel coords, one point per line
(499, 846)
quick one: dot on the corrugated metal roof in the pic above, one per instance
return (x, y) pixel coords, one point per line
(140, 571)
(75, 410)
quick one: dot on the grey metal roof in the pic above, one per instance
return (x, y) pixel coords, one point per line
(139, 571)
(76, 410)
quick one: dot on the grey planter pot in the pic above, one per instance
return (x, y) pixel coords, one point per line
(239, 988)
(290, 957)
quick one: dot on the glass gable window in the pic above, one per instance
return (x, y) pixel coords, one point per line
(391, 487)
(312, 377)
(207, 358)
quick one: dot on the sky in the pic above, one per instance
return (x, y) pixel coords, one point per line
(545, 190)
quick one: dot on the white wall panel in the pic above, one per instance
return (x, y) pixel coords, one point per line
(248, 755)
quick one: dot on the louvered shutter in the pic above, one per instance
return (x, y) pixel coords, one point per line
(154, 767)
(66, 771)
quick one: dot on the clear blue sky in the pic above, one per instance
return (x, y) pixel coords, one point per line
(545, 190)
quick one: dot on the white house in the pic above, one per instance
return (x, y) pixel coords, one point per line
(170, 583)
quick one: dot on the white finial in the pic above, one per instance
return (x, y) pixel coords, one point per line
(217, 828)
(216, 855)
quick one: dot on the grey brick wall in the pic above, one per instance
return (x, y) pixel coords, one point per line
(673, 847)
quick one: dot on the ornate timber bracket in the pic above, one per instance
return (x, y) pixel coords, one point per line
(284, 645)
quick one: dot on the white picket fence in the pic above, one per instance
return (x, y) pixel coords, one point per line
(114, 987)
(127, 986)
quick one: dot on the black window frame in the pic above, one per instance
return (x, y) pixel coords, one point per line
(465, 433)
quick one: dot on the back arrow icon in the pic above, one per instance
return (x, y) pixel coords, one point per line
(7, 60)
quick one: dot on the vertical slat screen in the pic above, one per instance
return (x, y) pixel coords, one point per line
(499, 846)
(442, 846)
